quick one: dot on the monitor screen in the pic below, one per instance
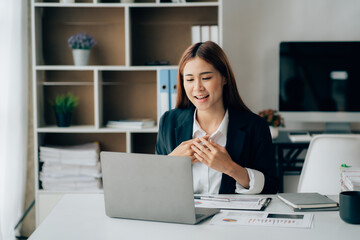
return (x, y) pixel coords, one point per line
(322, 77)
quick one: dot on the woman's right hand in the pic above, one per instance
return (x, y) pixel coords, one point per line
(185, 149)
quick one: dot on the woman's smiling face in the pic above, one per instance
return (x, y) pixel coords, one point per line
(203, 85)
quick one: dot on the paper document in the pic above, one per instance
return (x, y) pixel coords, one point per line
(288, 220)
(234, 202)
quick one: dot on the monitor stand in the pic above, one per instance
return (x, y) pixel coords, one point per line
(338, 127)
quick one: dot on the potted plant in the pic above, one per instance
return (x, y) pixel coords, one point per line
(81, 44)
(63, 106)
(274, 120)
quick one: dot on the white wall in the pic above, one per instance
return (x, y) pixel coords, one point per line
(253, 29)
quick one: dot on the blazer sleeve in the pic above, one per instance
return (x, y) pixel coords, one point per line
(160, 147)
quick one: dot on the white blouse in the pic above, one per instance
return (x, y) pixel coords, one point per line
(207, 180)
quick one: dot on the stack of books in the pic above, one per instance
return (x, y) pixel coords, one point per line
(70, 168)
(350, 179)
(299, 136)
(302, 202)
(131, 123)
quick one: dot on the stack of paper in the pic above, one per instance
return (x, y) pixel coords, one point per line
(350, 179)
(131, 123)
(70, 168)
(299, 136)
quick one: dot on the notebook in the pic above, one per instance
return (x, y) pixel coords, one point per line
(150, 187)
(308, 202)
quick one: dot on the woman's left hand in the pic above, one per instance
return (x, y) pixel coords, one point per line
(213, 155)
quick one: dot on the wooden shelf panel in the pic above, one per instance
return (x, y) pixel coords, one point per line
(108, 141)
(93, 129)
(58, 1)
(129, 94)
(103, 68)
(56, 76)
(118, 2)
(106, 25)
(164, 33)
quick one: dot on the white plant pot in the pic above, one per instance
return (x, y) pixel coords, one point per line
(81, 57)
(274, 131)
(67, 1)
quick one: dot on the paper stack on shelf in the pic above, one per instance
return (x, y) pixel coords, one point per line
(70, 168)
(350, 179)
(131, 123)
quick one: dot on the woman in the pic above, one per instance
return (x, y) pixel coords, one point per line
(230, 147)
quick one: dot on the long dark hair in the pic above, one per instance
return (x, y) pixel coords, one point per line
(213, 54)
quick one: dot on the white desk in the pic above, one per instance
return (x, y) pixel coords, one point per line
(83, 217)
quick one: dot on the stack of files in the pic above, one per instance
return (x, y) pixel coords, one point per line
(131, 123)
(350, 179)
(166, 91)
(302, 202)
(71, 167)
(203, 33)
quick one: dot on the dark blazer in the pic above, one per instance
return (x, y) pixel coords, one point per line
(248, 143)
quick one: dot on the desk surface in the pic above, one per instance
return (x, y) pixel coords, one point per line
(82, 216)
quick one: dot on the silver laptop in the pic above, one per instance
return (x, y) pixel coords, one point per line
(150, 187)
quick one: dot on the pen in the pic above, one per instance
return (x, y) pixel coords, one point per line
(215, 199)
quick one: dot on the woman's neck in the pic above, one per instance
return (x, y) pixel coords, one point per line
(210, 121)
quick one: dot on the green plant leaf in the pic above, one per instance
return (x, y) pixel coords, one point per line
(64, 103)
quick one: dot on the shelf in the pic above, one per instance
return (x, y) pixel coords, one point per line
(83, 114)
(109, 141)
(164, 33)
(106, 25)
(92, 129)
(102, 68)
(117, 83)
(126, 98)
(67, 83)
(71, 129)
(118, 4)
(51, 192)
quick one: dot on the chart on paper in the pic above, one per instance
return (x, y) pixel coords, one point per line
(290, 220)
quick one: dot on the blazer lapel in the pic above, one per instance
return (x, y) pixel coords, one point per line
(235, 135)
(234, 146)
(184, 130)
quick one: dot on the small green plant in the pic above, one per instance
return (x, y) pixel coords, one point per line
(64, 103)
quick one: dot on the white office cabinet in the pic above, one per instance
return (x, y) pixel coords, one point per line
(120, 82)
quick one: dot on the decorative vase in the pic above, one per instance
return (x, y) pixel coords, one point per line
(63, 119)
(81, 57)
(274, 131)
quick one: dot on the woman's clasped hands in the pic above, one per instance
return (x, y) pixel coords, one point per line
(205, 151)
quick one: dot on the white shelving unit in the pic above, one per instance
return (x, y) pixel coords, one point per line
(117, 83)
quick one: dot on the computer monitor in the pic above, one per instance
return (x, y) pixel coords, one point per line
(320, 82)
